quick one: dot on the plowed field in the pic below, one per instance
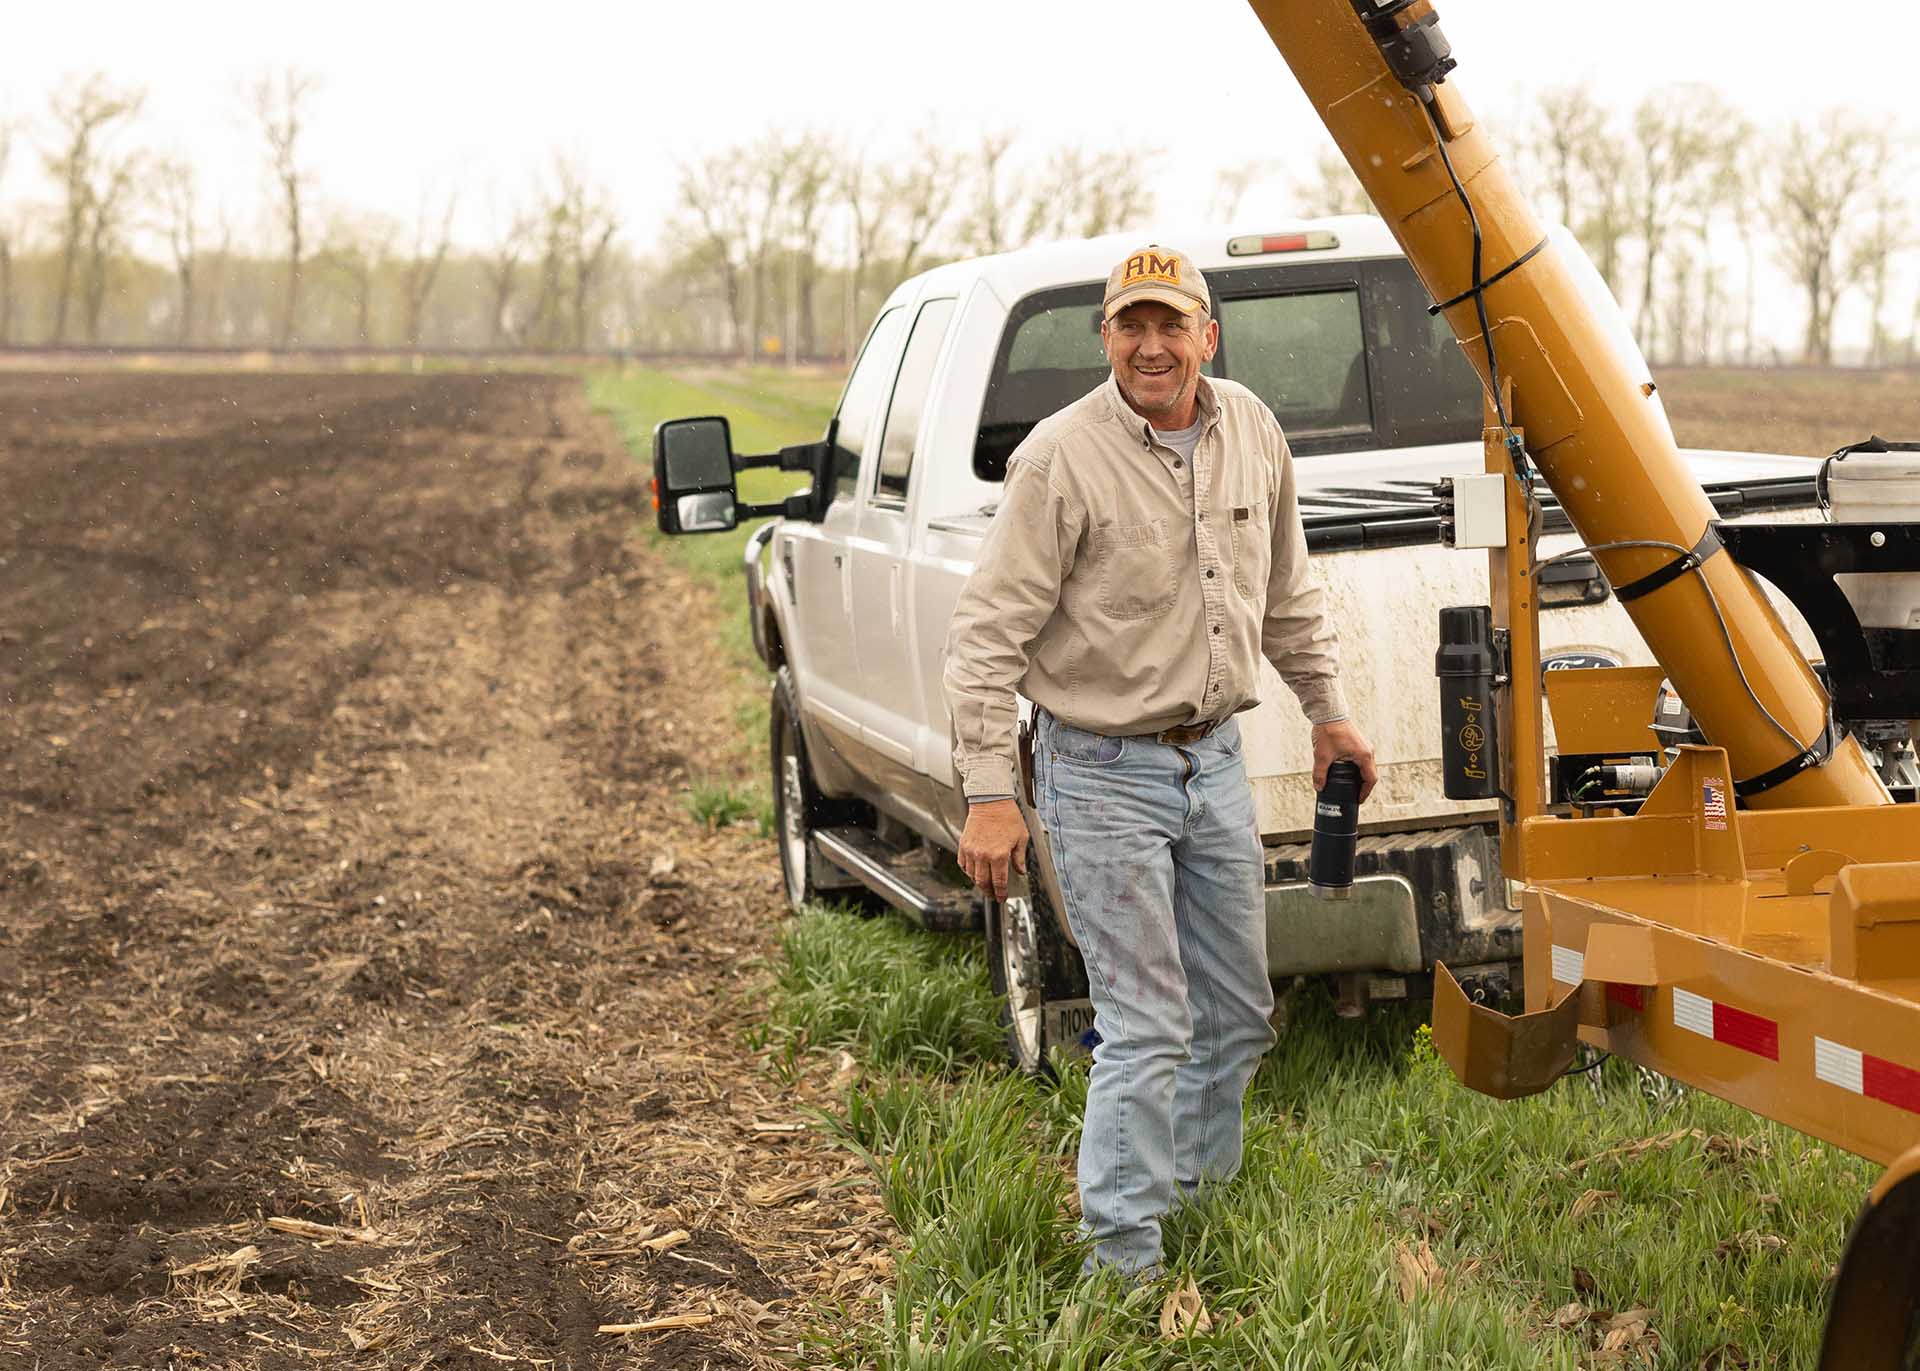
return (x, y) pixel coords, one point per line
(368, 995)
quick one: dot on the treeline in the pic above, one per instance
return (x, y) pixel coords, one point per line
(786, 245)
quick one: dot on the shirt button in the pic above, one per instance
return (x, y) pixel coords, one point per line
(1216, 628)
(1209, 573)
(1178, 463)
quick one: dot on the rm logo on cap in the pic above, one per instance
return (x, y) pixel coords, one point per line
(1151, 266)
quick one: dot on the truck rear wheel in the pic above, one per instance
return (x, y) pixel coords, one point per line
(1040, 979)
(798, 806)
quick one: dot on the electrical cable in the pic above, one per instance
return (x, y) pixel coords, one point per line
(1719, 618)
(1516, 451)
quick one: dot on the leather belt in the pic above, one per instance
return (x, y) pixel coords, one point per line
(1182, 734)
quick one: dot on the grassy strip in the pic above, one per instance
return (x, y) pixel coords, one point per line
(1385, 1216)
(767, 408)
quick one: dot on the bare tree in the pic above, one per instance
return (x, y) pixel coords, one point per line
(112, 202)
(501, 265)
(1231, 184)
(593, 224)
(1887, 232)
(1677, 141)
(279, 102)
(923, 188)
(1333, 188)
(813, 170)
(577, 228)
(431, 239)
(717, 192)
(1567, 127)
(352, 247)
(1090, 193)
(178, 188)
(869, 211)
(86, 112)
(997, 197)
(1822, 172)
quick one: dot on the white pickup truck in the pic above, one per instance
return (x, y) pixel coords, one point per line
(852, 588)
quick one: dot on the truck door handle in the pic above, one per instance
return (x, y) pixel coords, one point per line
(836, 559)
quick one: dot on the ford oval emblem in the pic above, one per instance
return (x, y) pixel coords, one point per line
(1577, 661)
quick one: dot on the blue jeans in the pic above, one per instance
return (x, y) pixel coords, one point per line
(1159, 862)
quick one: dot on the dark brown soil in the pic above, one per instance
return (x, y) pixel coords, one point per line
(341, 798)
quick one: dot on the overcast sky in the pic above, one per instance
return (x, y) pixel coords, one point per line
(476, 95)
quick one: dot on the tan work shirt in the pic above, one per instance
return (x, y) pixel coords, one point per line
(1125, 591)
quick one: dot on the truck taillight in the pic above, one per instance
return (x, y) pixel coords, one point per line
(1315, 240)
(653, 486)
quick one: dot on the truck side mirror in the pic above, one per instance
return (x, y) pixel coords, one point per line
(693, 479)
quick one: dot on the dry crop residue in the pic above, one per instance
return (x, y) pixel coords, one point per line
(366, 992)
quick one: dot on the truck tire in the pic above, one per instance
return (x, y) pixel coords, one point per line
(1040, 980)
(798, 806)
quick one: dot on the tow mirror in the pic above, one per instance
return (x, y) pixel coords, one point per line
(693, 480)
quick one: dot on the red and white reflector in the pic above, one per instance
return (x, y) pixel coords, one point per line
(1726, 1024)
(1865, 1074)
(1253, 244)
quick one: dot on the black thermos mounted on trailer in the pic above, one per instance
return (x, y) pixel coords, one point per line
(1468, 668)
(1336, 826)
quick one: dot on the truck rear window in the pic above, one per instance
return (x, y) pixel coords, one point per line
(1344, 354)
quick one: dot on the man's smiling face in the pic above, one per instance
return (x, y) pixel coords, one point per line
(1157, 353)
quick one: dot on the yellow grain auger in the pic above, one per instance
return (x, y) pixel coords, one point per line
(1741, 912)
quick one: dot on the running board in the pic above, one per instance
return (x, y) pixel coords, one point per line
(905, 880)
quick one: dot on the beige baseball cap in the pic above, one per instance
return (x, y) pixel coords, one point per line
(1156, 273)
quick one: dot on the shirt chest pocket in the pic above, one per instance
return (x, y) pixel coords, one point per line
(1136, 569)
(1251, 537)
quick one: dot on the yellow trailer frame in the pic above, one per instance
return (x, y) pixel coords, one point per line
(1770, 957)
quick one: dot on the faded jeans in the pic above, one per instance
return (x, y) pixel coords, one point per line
(1159, 862)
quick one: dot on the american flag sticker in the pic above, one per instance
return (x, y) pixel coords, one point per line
(1713, 801)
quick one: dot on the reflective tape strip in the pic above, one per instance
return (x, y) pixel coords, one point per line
(1693, 1012)
(1569, 967)
(1838, 1064)
(1868, 1075)
(1726, 1024)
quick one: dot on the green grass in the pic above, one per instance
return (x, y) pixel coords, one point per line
(1359, 1142)
(768, 408)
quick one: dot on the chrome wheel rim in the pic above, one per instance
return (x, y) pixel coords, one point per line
(793, 820)
(1020, 969)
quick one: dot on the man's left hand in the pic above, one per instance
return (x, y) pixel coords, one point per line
(1339, 741)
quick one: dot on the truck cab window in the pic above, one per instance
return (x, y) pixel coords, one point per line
(910, 400)
(866, 392)
(1305, 355)
(1425, 389)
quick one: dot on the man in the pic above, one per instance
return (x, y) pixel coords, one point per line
(1146, 553)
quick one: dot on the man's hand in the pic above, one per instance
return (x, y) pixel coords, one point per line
(1334, 742)
(993, 845)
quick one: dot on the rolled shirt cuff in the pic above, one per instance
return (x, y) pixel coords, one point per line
(988, 777)
(986, 799)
